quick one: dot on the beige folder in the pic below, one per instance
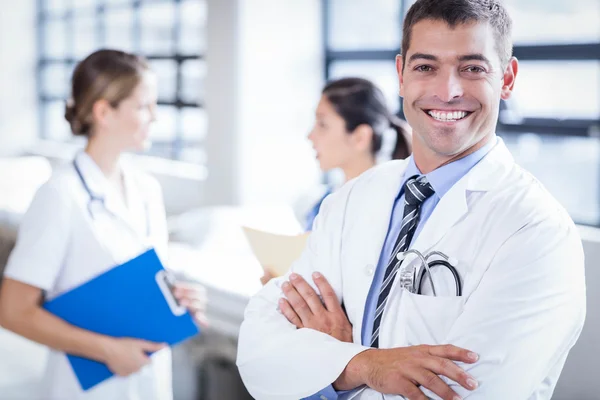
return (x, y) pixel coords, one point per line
(275, 252)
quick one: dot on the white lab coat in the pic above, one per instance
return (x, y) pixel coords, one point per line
(519, 256)
(59, 247)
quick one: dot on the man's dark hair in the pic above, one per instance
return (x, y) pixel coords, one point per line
(455, 12)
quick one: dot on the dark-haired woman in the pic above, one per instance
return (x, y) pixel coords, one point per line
(352, 122)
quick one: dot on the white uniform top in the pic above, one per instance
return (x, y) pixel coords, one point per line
(60, 246)
(520, 260)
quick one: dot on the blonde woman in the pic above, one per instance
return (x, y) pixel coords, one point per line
(92, 214)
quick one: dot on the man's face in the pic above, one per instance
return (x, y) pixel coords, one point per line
(451, 86)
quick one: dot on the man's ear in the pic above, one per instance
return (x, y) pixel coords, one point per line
(510, 76)
(400, 71)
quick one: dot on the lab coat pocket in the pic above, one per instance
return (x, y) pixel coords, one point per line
(428, 319)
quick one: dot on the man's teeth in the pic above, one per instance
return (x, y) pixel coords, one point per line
(447, 116)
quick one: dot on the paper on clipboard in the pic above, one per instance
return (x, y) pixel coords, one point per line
(277, 252)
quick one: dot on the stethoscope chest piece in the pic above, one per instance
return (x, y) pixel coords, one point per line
(412, 279)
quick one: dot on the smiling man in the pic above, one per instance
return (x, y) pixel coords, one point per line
(452, 80)
(498, 323)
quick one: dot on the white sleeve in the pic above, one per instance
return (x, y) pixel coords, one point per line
(526, 314)
(42, 240)
(277, 361)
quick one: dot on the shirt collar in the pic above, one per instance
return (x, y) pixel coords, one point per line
(443, 178)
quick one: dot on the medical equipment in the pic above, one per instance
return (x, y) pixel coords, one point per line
(95, 199)
(413, 282)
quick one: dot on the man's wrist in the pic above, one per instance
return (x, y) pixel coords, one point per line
(356, 372)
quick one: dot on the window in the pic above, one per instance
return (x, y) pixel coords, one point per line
(567, 166)
(359, 24)
(533, 97)
(169, 33)
(382, 73)
(551, 124)
(540, 22)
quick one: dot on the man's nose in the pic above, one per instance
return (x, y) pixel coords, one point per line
(448, 86)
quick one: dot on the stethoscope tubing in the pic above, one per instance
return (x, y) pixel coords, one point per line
(428, 272)
(101, 200)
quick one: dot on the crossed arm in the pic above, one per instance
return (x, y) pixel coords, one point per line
(523, 318)
(398, 371)
(510, 320)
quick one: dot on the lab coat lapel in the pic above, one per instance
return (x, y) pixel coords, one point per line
(491, 170)
(453, 206)
(365, 253)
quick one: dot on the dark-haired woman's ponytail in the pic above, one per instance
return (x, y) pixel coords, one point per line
(403, 147)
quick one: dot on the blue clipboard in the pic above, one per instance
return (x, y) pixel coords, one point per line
(133, 300)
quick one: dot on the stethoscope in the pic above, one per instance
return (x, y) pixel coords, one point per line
(413, 282)
(101, 200)
(165, 279)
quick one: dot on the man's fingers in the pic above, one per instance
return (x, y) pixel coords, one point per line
(442, 363)
(308, 293)
(453, 353)
(414, 393)
(431, 381)
(296, 301)
(447, 368)
(327, 293)
(289, 313)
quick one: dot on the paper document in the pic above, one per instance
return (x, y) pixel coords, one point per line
(276, 252)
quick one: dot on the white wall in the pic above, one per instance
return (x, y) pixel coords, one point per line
(579, 379)
(222, 102)
(281, 67)
(18, 97)
(263, 84)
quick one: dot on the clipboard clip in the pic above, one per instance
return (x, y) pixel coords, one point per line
(166, 284)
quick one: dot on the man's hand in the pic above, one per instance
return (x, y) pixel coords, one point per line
(304, 308)
(402, 370)
(193, 297)
(394, 371)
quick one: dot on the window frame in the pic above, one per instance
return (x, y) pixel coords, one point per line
(528, 52)
(67, 17)
(545, 52)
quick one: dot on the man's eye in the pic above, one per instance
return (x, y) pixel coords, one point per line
(423, 68)
(474, 69)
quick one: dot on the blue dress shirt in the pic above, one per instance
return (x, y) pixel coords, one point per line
(442, 180)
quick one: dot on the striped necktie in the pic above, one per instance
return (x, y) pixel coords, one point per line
(416, 191)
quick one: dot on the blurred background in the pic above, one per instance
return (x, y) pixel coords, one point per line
(239, 81)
